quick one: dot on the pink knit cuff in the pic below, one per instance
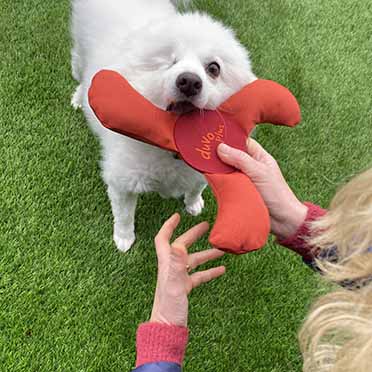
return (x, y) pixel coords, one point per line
(161, 343)
(297, 242)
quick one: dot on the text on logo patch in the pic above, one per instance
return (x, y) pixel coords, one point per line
(206, 146)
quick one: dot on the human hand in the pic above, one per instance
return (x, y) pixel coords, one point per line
(287, 213)
(174, 264)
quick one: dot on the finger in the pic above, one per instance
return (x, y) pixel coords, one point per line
(200, 258)
(192, 235)
(165, 234)
(238, 159)
(256, 151)
(206, 276)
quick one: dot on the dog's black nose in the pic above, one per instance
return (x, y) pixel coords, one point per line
(189, 84)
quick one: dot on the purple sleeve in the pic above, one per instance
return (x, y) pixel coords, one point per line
(159, 367)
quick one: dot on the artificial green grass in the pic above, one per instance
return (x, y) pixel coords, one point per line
(68, 300)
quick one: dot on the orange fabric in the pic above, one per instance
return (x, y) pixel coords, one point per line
(242, 223)
(263, 101)
(122, 109)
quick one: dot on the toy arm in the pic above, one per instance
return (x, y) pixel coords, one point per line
(263, 101)
(119, 107)
(242, 224)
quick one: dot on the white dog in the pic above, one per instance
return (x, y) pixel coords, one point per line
(177, 61)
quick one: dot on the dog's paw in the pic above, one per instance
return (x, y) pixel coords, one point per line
(196, 206)
(77, 98)
(124, 244)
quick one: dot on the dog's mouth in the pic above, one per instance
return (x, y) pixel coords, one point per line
(181, 107)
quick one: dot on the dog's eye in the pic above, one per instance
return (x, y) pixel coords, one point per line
(214, 69)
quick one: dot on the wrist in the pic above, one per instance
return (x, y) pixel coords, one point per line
(300, 241)
(289, 223)
(175, 321)
(173, 312)
(159, 319)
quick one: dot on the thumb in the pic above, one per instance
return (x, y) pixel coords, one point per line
(238, 159)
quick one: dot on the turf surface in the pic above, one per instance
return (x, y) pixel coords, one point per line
(68, 300)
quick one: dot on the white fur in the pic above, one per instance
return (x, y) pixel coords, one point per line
(150, 44)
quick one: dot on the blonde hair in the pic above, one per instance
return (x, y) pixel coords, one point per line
(337, 334)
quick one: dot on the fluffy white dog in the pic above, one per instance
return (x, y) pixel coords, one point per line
(179, 62)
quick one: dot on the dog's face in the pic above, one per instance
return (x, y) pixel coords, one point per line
(189, 62)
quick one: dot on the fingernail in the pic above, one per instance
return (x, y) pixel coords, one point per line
(224, 149)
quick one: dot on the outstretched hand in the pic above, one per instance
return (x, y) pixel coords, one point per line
(174, 266)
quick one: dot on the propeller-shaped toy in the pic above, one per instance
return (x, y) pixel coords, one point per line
(242, 222)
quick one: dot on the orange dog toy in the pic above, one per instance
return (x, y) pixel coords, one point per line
(242, 223)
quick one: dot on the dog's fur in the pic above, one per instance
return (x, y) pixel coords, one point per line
(151, 44)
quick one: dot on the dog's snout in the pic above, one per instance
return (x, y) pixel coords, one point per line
(189, 84)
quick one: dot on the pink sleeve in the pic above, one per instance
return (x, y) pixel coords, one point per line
(297, 242)
(161, 343)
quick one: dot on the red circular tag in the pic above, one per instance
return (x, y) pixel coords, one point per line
(198, 134)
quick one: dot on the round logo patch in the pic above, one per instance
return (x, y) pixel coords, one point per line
(198, 134)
